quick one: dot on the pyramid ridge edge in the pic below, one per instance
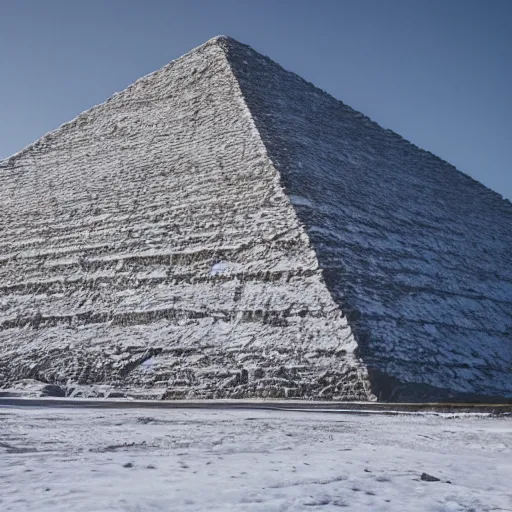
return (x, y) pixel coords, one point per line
(214, 41)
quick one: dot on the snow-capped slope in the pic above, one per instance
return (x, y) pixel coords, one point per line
(149, 244)
(417, 254)
(222, 228)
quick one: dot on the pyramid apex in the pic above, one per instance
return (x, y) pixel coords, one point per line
(222, 40)
(219, 38)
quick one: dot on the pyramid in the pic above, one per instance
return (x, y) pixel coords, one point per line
(224, 229)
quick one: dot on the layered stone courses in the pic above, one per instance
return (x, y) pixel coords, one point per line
(222, 228)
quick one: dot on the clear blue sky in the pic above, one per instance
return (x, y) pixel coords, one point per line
(439, 72)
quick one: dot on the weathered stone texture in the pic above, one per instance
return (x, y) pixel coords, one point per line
(417, 254)
(148, 243)
(222, 228)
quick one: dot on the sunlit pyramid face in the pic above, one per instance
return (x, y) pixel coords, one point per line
(223, 228)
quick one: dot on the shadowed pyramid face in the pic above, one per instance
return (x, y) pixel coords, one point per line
(222, 228)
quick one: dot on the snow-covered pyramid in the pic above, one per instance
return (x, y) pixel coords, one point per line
(223, 228)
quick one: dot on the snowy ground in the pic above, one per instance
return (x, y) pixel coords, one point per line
(171, 460)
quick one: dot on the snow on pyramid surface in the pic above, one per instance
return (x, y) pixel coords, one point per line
(223, 228)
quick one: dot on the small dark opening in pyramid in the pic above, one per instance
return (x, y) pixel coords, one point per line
(222, 228)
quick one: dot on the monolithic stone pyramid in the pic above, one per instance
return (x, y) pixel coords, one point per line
(223, 228)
